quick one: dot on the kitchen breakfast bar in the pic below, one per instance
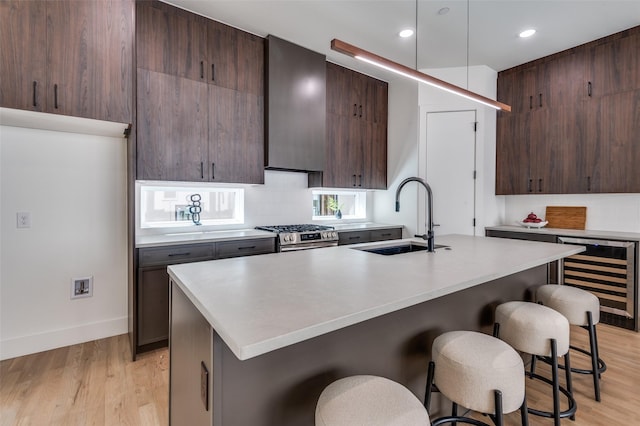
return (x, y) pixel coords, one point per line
(254, 340)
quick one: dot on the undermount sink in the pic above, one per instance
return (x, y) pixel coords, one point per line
(399, 249)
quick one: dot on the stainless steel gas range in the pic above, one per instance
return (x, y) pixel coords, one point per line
(302, 237)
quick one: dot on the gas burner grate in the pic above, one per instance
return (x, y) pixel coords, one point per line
(295, 228)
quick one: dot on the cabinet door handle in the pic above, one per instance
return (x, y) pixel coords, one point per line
(55, 96)
(529, 187)
(354, 180)
(539, 185)
(213, 171)
(385, 235)
(202, 69)
(187, 253)
(360, 111)
(541, 99)
(355, 110)
(201, 170)
(589, 89)
(588, 183)
(247, 248)
(530, 102)
(360, 177)
(35, 99)
(357, 237)
(213, 72)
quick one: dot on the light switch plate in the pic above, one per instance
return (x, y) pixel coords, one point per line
(23, 220)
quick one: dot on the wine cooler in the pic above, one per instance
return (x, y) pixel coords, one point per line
(608, 270)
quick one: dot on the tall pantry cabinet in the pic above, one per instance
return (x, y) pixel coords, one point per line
(68, 57)
(575, 122)
(200, 98)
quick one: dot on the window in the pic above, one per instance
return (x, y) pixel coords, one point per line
(333, 204)
(185, 206)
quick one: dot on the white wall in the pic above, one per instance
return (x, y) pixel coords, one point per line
(605, 212)
(482, 80)
(402, 158)
(74, 186)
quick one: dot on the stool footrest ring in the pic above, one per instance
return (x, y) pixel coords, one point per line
(567, 413)
(458, 419)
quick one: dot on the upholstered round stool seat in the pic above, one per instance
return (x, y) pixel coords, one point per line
(471, 366)
(571, 302)
(369, 400)
(528, 327)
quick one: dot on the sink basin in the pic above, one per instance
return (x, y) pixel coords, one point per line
(399, 249)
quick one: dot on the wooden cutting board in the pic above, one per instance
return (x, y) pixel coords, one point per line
(566, 217)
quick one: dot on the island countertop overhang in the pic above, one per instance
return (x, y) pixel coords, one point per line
(263, 303)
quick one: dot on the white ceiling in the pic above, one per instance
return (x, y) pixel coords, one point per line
(373, 25)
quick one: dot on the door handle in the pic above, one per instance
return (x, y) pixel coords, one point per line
(213, 171)
(213, 72)
(539, 185)
(55, 96)
(530, 184)
(202, 69)
(35, 99)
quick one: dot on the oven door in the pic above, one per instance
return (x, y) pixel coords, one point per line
(309, 245)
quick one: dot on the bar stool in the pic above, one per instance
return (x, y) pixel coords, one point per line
(369, 400)
(540, 331)
(478, 372)
(581, 308)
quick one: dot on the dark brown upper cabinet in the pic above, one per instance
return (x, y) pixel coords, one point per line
(68, 57)
(578, 132)
(200, 98)
(356, 149)
(170, 40)
(23, 41)
(614, 65)
(172, 130)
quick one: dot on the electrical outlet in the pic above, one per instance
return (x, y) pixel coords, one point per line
(23, 220)
(81, 287)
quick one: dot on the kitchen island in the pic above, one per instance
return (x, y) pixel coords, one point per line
(254, 341)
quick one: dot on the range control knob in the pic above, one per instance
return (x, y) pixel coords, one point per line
(334, 234)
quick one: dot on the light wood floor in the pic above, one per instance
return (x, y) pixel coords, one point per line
(93, 383)
(96, 383)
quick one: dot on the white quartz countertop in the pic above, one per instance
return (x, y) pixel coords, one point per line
(362, 226)
(263, 303)
(200, 237)
(578, 233)
(239, 234)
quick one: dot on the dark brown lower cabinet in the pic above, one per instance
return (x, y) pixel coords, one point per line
(151, 314)
(153, 306)
(367, 236)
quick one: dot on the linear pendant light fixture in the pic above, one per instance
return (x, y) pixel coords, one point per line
(384, 63)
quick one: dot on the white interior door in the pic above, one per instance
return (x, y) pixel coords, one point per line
(451, 165)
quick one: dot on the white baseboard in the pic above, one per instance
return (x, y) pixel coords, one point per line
(25, 345)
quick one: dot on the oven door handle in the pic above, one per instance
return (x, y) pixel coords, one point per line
(295, 247)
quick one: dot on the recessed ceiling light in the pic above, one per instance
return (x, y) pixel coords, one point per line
(527, 33)
(443, 11)
(406, 33)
